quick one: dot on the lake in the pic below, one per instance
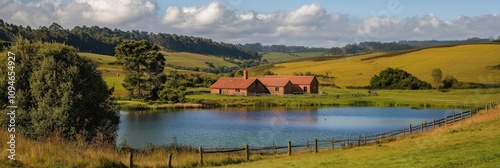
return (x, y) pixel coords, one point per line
(226, 128)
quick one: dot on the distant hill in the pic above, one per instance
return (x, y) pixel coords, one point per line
(103, 40)
(468, 63)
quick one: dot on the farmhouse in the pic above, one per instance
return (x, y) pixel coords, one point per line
(270, 84)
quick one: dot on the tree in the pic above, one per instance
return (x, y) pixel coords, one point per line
(450, 82)
(397, 79)
(59, 93)
(143, 64)
(437, 75)
(174, 89)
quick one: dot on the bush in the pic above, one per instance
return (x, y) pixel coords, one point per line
(397, 79)
(59, 93)
(450, 82)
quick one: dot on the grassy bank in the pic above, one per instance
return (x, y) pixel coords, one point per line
(471, 143)
(350, 97)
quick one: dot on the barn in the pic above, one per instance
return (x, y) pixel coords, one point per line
(269, 84)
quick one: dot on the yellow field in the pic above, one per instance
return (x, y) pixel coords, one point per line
(468, 63)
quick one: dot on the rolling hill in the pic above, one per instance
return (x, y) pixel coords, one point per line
(113, 73)
(468, 63)
(274, 57)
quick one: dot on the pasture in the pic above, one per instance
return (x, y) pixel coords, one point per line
(468, 63)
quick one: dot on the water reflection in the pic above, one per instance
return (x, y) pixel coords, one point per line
(229, 127)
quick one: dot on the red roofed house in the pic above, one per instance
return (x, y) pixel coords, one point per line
(238, 86)
(278, 86)
(301, 84)
(275, 85)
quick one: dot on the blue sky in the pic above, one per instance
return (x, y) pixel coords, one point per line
(320, 23)
(445, 9)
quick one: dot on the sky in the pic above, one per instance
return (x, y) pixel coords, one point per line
(319, 23)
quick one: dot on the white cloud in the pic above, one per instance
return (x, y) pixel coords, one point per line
(117, 11)
(310, 24)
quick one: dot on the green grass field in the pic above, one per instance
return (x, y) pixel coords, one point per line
(468, 63)
(192, 60)
(113, 73)
(465, 98)
(281, 57)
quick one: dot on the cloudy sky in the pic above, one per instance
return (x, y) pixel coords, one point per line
(320, 23)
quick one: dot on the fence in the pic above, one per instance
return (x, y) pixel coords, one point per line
(342, 143)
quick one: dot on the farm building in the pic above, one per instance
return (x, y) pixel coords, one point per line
(301, 84)
(275, 85)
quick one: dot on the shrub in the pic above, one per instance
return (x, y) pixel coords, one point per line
(397, 79)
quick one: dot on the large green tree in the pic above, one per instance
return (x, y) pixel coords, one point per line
(143, 64)
(59, 93)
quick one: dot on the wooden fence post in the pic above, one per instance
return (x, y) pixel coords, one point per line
(453, 118)
(274, 148)
(404, 131)
(359, 140)
(422, 127)
(201, 156)
(289, 148)
(333, 143)
(247, 152)
(347, 142)
(307, 144)
(445, 120)
(170, 160)
(131, 157)
(433, 124)
(409, 129)
(316, 145)
(365, 140)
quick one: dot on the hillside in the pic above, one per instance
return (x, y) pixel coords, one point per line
(103, 40)
(468, 63)
(274, 57)
(113, 73)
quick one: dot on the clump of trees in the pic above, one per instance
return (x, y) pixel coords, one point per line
(391, 78)
(59, 93)
(145, 77)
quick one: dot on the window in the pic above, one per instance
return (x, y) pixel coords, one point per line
(277, 89)
(256, 84)
(238, 90)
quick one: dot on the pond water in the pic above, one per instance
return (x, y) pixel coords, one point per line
(226, 128)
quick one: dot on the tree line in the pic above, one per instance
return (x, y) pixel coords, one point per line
(104, 40)
(258, 47)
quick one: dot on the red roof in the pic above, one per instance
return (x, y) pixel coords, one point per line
(274, 81)
(232, 83)
(297, 80)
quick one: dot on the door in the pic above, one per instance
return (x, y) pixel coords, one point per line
(305, 89)
(220, 91)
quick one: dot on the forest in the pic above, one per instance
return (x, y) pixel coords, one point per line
(99, 40)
